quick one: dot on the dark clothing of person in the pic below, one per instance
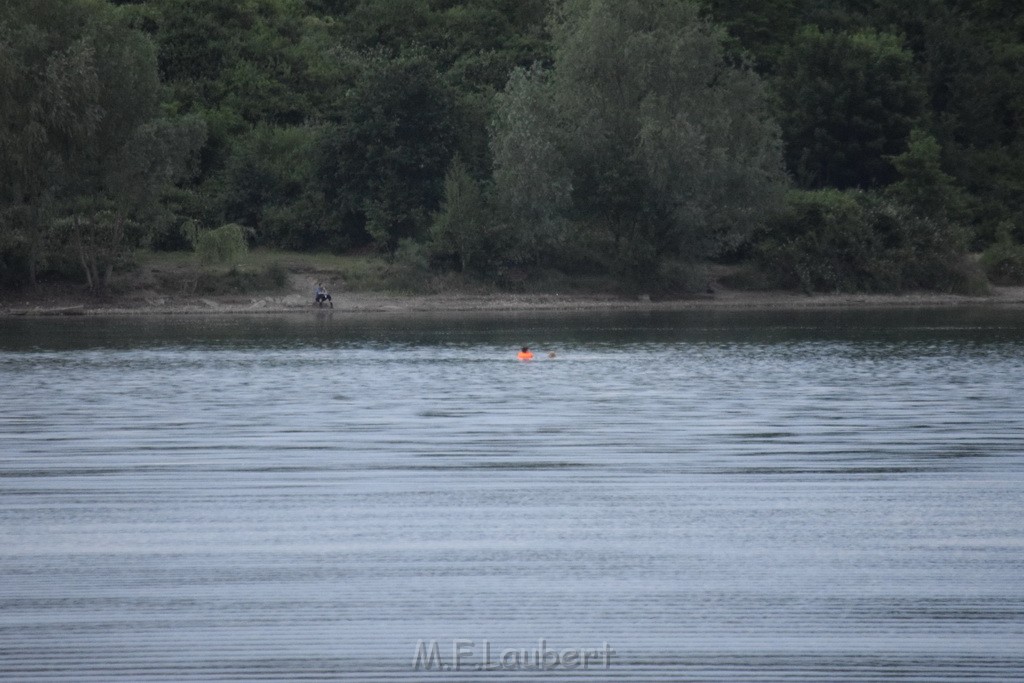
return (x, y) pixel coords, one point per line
(321, 295)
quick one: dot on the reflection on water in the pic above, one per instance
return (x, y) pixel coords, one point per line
(719, 496)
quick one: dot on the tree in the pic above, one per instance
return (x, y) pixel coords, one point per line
(268, 185)
(462, 228)
(847, 102)
(642, 138)
(923, 186)
(761, 27)
(242, 54)
(121, 186)
(48, 90)
(123, 165)
(81, 145)
(472, 45)
(382, 163)
(974, 60)
(531, 174)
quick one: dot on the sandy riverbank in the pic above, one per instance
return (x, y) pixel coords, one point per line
(63, 302)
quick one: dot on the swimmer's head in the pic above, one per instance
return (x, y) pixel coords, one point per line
(526, 349)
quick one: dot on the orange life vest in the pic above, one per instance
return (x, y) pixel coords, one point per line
(525, 355)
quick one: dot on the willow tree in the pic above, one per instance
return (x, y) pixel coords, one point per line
(642, 142)
(83, 148)
(48, 88)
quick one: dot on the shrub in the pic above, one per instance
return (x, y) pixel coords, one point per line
(225, 244)
(1003, 262)
(676, 276)
(829, 240)
(410, 268)
(821, 243)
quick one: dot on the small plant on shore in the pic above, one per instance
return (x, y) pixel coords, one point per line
(409, 270)
(226, 244)
(1003, 262)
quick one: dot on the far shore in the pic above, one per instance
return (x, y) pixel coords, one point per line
(148, 303)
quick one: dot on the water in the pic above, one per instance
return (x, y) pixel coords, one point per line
(702, 496)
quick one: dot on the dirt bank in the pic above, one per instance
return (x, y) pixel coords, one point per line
(297, 296)
(373, 302)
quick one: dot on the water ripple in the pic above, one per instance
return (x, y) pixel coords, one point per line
(731, 499)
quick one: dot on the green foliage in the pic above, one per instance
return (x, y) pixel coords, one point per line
(15, 255)
(381, 167)
(463, 228)
(476, 42)
(923, 186)
(97, 235)
(642, 140)
(967, 56)
(268, 185)
(624, 139)
(532, 184)
(183, 204)
(226, 244)
(247, 56)
(123, 170)
(847, 102)
(761, 27)
(1003, 261)
(834, 241)
(410, 267)
(48, 101)
(82, 151)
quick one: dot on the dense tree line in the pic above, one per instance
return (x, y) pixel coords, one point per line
(842, 144)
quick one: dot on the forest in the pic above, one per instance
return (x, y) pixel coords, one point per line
(833, 145)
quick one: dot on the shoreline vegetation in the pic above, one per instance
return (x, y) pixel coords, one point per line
(372, 304)
(173, 284)
(509, 153)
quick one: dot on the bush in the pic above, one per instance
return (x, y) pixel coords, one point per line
(676, 276)
(409, 270)
(821, 243)
(1003, 262)
(225, 244)
(267, 183)
(829, 240)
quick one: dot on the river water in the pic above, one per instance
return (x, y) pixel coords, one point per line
(698, 496)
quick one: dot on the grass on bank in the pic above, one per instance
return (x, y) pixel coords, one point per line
(266, 271)
(274, 271)
(257, 271)
(271, 272)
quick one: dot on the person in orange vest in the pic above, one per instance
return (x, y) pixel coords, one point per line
(526, 354)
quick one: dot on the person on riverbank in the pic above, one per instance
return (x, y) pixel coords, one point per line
(320, 295)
